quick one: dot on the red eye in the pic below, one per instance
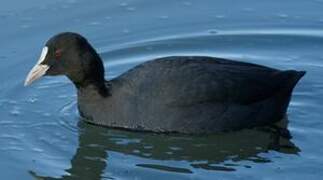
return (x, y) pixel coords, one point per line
(58, 53)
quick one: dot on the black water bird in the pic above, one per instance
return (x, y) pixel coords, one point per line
(187, 94)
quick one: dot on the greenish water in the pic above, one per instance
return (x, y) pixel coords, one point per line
(42, 137)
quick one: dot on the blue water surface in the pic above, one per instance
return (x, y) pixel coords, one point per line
(42, 137)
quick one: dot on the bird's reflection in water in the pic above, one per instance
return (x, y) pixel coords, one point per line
(209, 152)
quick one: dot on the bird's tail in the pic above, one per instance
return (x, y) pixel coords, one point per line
(289, 79)
(292, 78)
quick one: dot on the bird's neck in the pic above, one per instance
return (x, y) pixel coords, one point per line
(92, 74)
(91, 77)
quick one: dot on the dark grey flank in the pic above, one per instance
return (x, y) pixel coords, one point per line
(187, 94)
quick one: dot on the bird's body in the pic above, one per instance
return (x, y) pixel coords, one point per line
(187, 94)
(191, 95)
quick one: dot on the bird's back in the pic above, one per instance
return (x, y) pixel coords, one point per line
(186, 80)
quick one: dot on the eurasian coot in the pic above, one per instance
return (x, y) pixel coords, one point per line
(187, 94)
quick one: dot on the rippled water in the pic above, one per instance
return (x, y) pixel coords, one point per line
(41, 135)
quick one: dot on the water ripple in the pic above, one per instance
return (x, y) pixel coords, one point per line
(226, 43)
(67, 115)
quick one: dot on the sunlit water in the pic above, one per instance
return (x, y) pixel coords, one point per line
(41, 135)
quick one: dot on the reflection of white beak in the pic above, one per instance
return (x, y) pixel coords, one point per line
(39, 69)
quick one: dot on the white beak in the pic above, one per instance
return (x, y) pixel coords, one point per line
(39, 69)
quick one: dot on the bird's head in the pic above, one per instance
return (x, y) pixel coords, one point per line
(68, 54)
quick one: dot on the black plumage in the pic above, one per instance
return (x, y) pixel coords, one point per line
(188, 94)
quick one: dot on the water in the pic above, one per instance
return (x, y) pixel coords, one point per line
(41, 136)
